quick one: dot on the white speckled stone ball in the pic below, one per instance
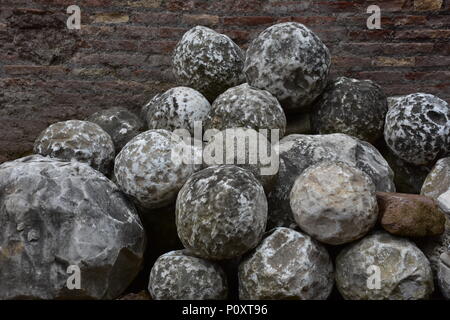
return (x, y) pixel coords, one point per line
(405, 272)
(208, 61)
(351, 106)
(286, 265)
(417, 128)
(77, 140)
(221, 212)
(177, 108)
(291, 62)
(145, 168)
(334, 202)
(178, 275)
(246, 107)
(246, 148)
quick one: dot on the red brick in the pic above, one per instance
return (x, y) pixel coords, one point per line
(201, 19)
(248, 20)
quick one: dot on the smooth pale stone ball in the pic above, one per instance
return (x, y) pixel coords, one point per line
(77, 140)
(291, 62)
(55, 214)
(417, 128)
(286, 265)
(298, 152)
(178, 275)
(208, 61)
(334, 203)
(121, 124)
(246, 148)
(403, 271)
(354, 107)
(247, 107)
(153, 167)
(221, 212)
(177, 108)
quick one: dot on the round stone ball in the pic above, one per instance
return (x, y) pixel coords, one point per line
(286, 265)
(247, 107)
(246, 148)
(152, 168)
(77, 140)
(121, 124)
(208, 61)
(178, 275)
(61, 220)
(354, 107)
(298, 152)
(383, 267)
(291, 62)
(334, 202)
(221, 212)
(417, 128)
(177, 108)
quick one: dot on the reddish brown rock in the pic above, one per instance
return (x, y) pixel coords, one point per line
(410, 215)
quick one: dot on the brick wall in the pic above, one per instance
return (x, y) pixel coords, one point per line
(121, 55)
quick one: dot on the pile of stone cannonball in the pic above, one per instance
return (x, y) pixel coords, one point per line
(349, 200)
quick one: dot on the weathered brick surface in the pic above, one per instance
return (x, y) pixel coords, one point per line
(121, 55)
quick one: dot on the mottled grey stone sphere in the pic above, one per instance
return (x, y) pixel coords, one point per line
(77, 140)
(247, 107)
(221, 212)
(177, 108)
(354, 107)
(286, 265)
(121, 124)
(246, 148)
(55, 214)
(417, 128)
(208, 61)
(151, 168)
(178, 275)
(298, 152)
(444, 274)
(291, 62)
(334, 203)
(404, 271)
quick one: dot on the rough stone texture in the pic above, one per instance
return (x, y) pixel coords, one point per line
(334, 203)
(54, 214)
(178, 275)
(409, 215)
(444, 274)
(298, 152)
(221, 212)
(208, 61)
(433, 247)
(246, 107)
(393, 100)
(145, 168)
(408, 178)
(177, 108)
(404, 270)
(77, 140)
(438, 180)
(286, 265)
(121, 124)
(289, 61)
(417, 128)
(258, 157)
(351, 106)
